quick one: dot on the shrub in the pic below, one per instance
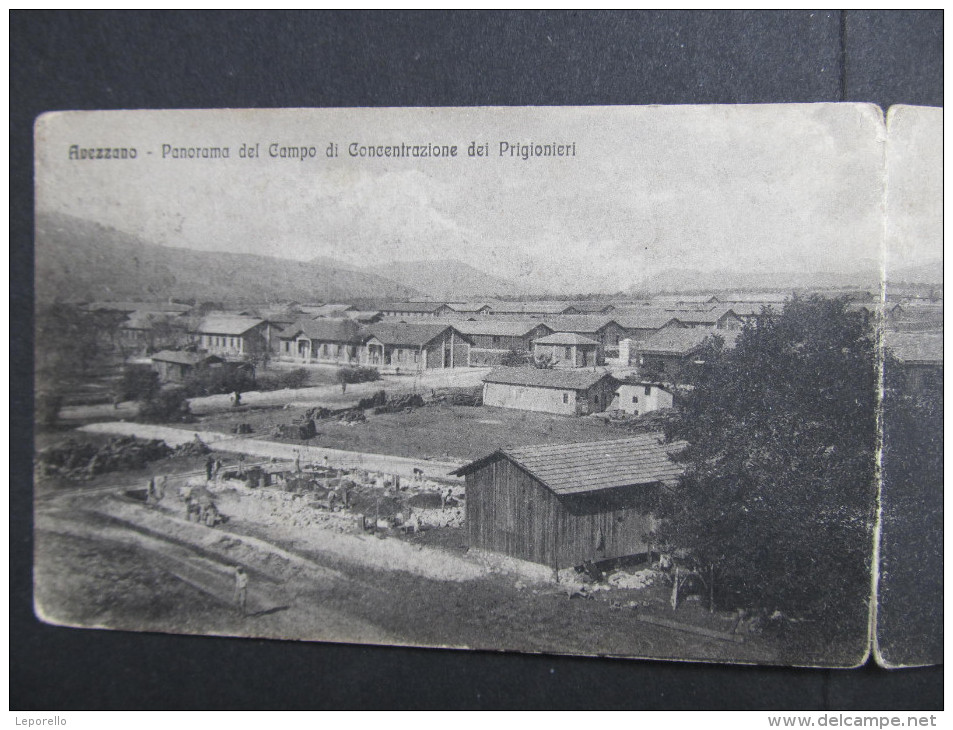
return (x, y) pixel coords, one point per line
(170, 404)
(139, 382)
(226, 379)
(292, 379)
(358, 375)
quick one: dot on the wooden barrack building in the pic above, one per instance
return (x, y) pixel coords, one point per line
(564, 504)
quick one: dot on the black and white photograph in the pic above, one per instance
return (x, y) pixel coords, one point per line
(656, 382)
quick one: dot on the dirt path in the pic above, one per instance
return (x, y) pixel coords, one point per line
(398, 465)
(284, 590)
(328, 396)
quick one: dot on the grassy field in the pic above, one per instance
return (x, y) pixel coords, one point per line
(435, 431)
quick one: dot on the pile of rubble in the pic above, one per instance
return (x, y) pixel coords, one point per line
(195, 447)
(400, 403)
(300, 430)
(76, 460)
(459, 396)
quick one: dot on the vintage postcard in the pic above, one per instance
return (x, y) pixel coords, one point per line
(597, 381)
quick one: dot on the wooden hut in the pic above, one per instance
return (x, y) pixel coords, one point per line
(564, 504)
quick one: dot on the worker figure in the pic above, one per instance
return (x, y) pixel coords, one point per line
(343, 386)
(218, 468)
(209, 465)
(241, 590)
(236, 399)
(241, 465)
(297, 461)
(447, 496)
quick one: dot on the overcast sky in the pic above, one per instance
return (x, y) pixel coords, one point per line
(753, 188)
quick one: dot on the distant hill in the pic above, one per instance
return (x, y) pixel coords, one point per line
(928, 273)
(447, 279)
(867, 275)
(78, 259)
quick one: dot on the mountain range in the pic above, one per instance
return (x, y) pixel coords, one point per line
(81, 260)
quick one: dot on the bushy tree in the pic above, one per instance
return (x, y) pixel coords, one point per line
(776, 504)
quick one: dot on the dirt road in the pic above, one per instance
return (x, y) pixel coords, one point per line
(398, 465)
(284, 591)
(328, 396)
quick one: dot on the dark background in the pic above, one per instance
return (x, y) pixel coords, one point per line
(123, 60)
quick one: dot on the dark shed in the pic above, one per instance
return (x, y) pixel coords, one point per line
(561, 505)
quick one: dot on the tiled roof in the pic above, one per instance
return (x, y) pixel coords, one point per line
(916, 347)
(578, 322)
(411, 334)
(593, 466)
(498, 327)
(643, 320)
(569, 379)
(565, 338)
(326, 330)
(227, 325)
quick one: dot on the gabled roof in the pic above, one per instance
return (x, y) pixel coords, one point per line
(593, 307)
(498, 327)
(565, 338)
(468, 307)
(578, 322)
(569, 379)
(184, 358)
(916, 348)
(709, 317)
(326, 330)
(428, 307)
(409, 334)
(529, 307)
(672, 341)
(328, 310)
(592, 466)
(649, 320)
(224, 324)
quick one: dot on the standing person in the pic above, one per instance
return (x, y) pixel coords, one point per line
(218, 468)
(209, 465)
(343, 386)
(241, 590)
(241, 465)
(237, 399)
(297, 461)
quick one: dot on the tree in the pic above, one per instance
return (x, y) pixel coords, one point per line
(776, 504)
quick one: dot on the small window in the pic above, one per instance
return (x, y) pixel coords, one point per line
(568, 352)
(648, 390)
(565, 397)
(635, 399)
